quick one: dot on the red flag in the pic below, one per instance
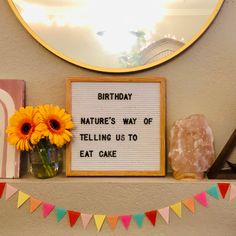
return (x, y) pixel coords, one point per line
(73, 216)
(151, 215)
(223, 187)
(2, 186)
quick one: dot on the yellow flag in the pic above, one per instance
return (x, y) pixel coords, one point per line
(177, 209)
(99, 219)
(22, 198)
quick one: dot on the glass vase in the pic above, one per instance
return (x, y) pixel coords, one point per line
(45, 160)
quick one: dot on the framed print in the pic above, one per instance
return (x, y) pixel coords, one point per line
(119, 126)
(12, 94)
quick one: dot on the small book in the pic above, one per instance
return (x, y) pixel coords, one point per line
(12, 94)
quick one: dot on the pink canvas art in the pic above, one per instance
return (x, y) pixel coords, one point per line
(11, 99)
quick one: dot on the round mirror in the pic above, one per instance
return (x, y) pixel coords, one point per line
(116, 35)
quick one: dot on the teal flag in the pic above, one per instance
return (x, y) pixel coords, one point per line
(60, 212)
(213, 191)
(139, 219)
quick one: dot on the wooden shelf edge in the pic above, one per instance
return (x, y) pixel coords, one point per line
(114, 180)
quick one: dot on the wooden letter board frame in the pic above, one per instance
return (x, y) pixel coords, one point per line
(122, 81)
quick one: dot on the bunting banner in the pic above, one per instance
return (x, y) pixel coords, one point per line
(151, 215)
(99, 219)
(86, 219)
(73, 217)
(22, 198)
(10, 191)
(213, 191)
(202, 199)
(2, 186)
(47, 209)
(34, 204)
(112, 221)
(60, 213)
(189, 204)
(217, 191)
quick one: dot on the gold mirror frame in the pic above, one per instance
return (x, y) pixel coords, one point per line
(118, 70)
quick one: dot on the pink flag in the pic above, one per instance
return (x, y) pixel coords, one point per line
(126, 221)
(47, 208)
(86, 219)
(164, 212)
(10, 191)
(232, 192)
(201, 198)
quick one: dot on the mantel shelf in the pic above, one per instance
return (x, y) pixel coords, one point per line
(119, 180)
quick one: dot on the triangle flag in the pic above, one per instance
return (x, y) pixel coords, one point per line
(22, 198)
(152, 215)
(112, 220)
(223, 188)
(73, 217)
(139, 219)
(10, 191)
(86, 219)
(47, 208)
(232, 192)
(99, 219)
(201, 198)
(60, 213)
(164, 212)
(189, 203)
(213, 191)
(2, 186)
(34, 204)
(177, 208)
(126, 221)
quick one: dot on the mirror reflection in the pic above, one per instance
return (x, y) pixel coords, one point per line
(116, 33)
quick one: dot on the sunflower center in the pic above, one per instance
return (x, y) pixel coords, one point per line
(25, 128)
(55, 124)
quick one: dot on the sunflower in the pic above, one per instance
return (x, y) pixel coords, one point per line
(21, 128)
(55, 124)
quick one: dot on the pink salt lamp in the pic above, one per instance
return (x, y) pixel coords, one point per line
(191, 147)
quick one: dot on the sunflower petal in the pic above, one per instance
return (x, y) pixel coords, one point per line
(13, 139)
(66, 137)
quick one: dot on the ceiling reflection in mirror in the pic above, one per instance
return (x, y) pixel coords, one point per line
(116, 34)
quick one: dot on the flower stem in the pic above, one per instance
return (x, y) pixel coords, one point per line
(45, 160)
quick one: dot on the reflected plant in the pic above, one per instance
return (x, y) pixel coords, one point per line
(132, 58)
